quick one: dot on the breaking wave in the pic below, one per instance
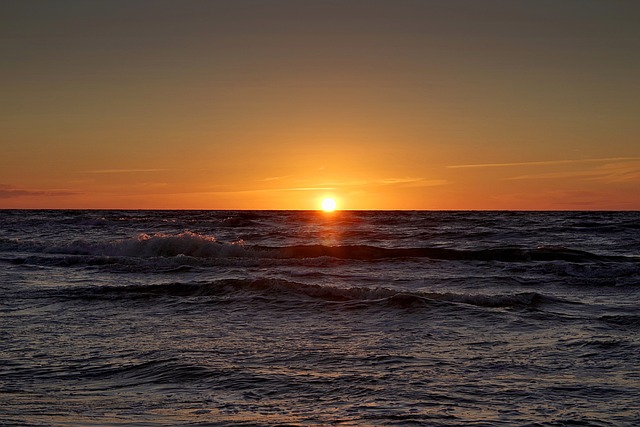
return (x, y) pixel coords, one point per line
(506, 254)
(203, 246)
(144, 245)
(284, 291)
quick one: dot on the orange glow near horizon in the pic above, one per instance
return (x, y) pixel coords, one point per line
(226, 105)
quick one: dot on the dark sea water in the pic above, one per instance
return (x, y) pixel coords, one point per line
(267, 318)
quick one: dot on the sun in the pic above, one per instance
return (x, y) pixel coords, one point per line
(329, 204)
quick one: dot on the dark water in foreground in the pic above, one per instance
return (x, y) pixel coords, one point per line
(303, 318)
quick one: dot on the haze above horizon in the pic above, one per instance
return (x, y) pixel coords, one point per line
(406, 104)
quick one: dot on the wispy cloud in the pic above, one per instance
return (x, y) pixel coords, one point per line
(262, 190)
(544, 163)
(353, 185)
(273, 178)
(8, 192)
(398, 182)
(412, 182)
(110, 171)
(303, 189)
(557, 175)
(614, 172)
(621, 172)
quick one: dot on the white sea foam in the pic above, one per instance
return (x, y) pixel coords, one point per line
(156, 245)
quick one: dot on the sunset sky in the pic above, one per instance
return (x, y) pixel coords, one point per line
(257, 104)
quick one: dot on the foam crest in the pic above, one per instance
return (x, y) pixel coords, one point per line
(157, 245)
(204, 246)
(286, 292)
(504, 254)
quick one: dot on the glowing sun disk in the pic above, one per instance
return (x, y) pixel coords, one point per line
(329, 204)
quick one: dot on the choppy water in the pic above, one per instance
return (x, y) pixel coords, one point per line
(245, 318)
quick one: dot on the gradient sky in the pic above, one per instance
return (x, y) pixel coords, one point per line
(256, 104)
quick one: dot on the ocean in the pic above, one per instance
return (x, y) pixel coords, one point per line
(303, 318)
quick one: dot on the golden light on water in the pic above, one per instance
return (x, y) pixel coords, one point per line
(329, 204)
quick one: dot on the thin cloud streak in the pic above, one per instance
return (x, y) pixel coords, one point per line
(411, 182)
(627, 171)
(273, 178)
(400, 182)
(303, 189)
(544, 163)
(261, 190)
(111, 171)
(337, 186)
(8, 192)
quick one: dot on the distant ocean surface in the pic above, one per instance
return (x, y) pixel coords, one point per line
(301, 318)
